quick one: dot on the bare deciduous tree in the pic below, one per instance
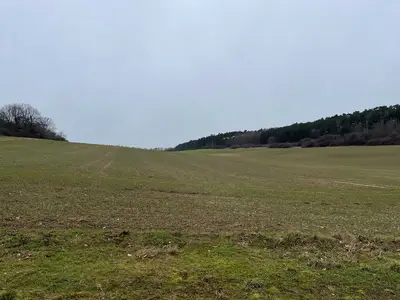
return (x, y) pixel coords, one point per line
(21, 116)
(25, 120)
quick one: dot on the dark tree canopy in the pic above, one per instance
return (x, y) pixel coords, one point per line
(377, 126)
(23, 120)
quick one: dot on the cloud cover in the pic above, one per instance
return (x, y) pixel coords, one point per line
(157, 73)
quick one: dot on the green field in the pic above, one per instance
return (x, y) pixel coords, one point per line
(81, 221)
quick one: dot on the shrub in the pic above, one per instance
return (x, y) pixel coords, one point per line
(4, 132)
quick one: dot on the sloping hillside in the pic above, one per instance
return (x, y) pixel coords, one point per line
(96, 222)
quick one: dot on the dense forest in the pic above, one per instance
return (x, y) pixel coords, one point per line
(23, 120)
(377, 126)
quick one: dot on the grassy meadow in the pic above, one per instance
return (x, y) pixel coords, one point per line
(80, 221)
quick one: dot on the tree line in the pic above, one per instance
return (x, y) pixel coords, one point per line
(23, 120)
(376, 126)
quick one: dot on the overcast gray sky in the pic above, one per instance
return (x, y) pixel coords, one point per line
(156, 73)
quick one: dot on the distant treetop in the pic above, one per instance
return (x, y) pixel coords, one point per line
(23, 120)
(377, 126)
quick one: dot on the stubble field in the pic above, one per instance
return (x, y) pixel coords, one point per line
(82, 221)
